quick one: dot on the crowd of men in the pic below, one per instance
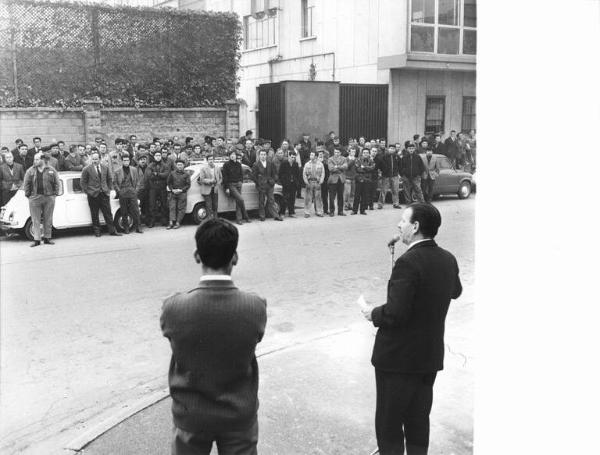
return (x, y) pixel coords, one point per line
(336, 177)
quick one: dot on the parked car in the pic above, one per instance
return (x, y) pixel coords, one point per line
(71, 208)
(195, 201)
(450, 180)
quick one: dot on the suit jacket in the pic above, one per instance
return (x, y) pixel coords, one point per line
(9, 177)
(432, 168)
(206, 175)
(411, 323)
(213, 376)
(93, 185)
(264, 176)
(337, 168)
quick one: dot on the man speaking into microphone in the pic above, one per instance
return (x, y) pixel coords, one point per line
(409, 346)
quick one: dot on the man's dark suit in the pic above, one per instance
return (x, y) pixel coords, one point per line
(265, 176)
(213, 376)
(409, 346)
(97, 187)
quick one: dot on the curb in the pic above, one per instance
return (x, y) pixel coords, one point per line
(90, 435)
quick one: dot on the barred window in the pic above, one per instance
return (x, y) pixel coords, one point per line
(259, 32)
(307, 19)
(468, 114)
(435, 109)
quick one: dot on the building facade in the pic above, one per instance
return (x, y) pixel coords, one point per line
(423, 50)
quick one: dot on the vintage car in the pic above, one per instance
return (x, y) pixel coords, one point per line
(195, 201)
(71, 208)
(450, 181)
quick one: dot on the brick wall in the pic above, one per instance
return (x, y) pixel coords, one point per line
(49, 124)
(80, 126)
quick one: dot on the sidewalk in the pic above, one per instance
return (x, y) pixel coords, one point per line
(316, 398)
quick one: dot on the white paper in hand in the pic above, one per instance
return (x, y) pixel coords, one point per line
(362, 303)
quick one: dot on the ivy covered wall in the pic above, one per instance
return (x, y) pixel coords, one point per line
(56, 54)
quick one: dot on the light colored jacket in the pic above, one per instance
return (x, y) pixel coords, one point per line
(207, 175)
(432, 169)
(311, 175)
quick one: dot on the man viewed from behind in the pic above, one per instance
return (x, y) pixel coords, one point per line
(409, 345)
(213, 331)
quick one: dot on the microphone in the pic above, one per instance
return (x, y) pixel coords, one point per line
(393, 241)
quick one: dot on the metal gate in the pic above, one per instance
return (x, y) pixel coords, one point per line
(363, 111)
(271, 112)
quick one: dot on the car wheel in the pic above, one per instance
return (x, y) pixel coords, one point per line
(464, 190)
(278, 203)
(28, 230)
(121, 222)
(199, 213)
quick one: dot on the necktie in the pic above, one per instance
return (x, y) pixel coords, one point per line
(98, 171)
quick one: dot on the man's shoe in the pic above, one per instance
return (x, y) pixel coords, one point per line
(363, 213)
(177, 226)
(150, 225)
(320, 214)
(115, 234)
(341, 214)
(139, 231)
(126, 230)
(354, 213)
(247, 220)
(306, 215)
(170, 226)
(97, 234)
(278, 219)
(47, 241)
(35, 243)
(291, 215)
(332, 214)
(239, 222)
(379, 206)
(370, 208)
(262, 218)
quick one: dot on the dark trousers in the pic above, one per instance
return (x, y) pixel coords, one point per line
(325, 197)
(228, 442)
(289, 200)
(144, 209)
(336, 190)
(177, 203)
(101, 203)
(402, 412)
(427, 188)
(156, 195)
(211, 202)
(235, 191)
(6, 196)
(361, 190)
(266, 195)
(372, 193)
(129, 206)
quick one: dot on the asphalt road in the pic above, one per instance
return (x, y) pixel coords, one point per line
(79, 320)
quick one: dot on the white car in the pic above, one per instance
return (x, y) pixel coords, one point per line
(71, 208)
(195, 201)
